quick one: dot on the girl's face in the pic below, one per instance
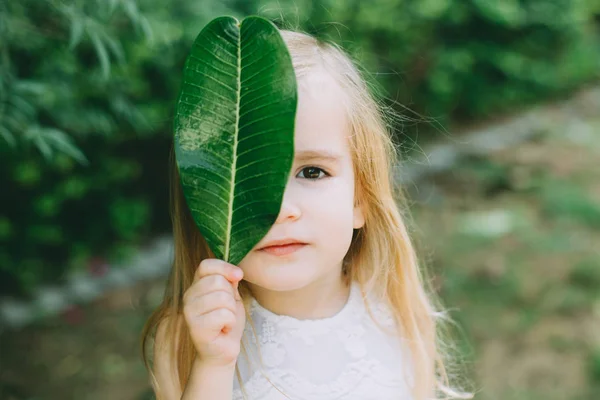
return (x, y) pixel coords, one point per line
(318, 204)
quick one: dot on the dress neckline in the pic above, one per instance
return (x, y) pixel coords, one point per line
(347, 310)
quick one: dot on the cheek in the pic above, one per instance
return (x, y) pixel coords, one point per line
(331, 207)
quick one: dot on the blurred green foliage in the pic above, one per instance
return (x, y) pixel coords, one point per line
(87, 90)
(86, 95)
(458, 60)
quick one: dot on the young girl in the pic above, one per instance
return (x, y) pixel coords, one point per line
(330, 304)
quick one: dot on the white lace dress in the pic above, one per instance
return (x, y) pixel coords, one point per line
(346, 356)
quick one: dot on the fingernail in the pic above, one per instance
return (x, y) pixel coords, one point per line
(238, 273)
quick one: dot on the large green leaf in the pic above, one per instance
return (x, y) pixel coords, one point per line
(234, 132)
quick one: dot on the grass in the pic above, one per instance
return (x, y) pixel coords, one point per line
(515, 241)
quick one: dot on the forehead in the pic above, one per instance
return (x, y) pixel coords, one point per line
(321, 118)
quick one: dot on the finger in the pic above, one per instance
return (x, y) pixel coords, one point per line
(236, 291)
(213, 283)
(212, 301)
(209, 284)
(217, 321)
(206, 285)
(211, 266)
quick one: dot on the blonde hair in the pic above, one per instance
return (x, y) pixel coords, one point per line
(381, 258)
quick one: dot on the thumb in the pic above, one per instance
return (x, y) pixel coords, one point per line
(236, 291)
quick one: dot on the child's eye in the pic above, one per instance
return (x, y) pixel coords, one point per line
(312, 173)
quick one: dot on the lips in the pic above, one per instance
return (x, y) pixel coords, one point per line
(282, 247)
(283, 250)
(282, 242)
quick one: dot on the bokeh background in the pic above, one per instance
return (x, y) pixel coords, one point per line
(500, 130)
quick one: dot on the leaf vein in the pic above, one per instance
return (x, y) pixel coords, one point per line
(253, 216)
(207, 110)
(256, 162)
(253, 148)
(262, 174)
(260, 106)
(214, 54)
(203, 62)
(263, 118)
(270, 83)
(208, 90)
(260, 133)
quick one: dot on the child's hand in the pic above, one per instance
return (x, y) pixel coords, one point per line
(214, 312)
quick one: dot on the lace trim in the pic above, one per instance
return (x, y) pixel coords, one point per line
(317, 326)
(360, 377)
(349, 381)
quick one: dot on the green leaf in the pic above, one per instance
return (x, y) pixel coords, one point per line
(49, 139)
(112, 6)
(34, 133)
(131, 10)
(234, 132)
(146, 29)
(8, 136)
(115, 47)
(77, 30)
(507, 12)
(102, 54)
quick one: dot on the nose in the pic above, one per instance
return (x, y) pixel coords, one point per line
(290, 211)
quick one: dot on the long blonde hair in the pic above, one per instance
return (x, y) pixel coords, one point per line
(381, 258)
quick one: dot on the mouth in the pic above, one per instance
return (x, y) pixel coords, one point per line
(283, 247)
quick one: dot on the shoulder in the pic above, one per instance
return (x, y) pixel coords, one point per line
(165, 381)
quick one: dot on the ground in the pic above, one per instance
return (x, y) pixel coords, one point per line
(513, 240)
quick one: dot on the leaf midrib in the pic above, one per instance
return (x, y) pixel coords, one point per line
(235, 145)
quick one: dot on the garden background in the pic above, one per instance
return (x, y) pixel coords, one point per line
(501, 137)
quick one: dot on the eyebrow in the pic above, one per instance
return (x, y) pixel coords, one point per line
(317, 155)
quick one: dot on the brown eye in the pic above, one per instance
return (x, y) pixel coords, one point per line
(311, 173)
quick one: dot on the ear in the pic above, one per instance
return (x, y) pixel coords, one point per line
(358, 216)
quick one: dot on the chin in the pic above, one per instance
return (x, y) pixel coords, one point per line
(279, 277)
(280, 282)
